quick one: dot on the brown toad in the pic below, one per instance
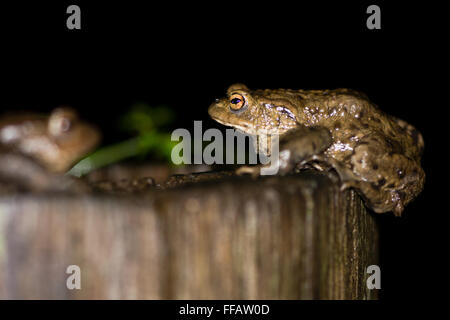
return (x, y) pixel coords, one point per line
(372, 152)
(35, 149)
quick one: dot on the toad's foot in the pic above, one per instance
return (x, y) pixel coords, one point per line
(380, 202)
(254, 171)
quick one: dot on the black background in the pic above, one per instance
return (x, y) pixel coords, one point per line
(184, 55)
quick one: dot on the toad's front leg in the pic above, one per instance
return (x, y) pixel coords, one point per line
(295, 146)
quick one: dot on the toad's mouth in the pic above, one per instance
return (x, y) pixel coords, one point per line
(244, 127)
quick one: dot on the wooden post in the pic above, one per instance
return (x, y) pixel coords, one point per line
(293, 237)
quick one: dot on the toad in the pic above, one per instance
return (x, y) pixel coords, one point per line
(342, 130)
(35, 149)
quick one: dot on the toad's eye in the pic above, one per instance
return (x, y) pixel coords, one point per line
(237, 101)
(61, 121)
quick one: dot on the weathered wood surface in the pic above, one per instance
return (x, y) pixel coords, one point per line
(295, 237)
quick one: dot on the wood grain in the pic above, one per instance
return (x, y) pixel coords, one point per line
(293, 237)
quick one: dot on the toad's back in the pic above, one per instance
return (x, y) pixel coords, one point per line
(349, 116)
